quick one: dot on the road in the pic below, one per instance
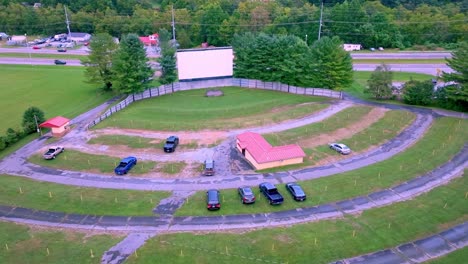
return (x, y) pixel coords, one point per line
(432, 69)
(402, 55)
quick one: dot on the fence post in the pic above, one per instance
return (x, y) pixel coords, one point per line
(172, 85)
(133, 97)
(150, 92)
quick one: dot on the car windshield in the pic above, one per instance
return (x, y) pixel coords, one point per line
(209, 165)
(247, 191)
(298, 190)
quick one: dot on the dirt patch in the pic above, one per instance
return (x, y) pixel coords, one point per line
(345, 132)
(185, 137)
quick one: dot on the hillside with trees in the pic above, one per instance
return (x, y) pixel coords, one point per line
(389, 24)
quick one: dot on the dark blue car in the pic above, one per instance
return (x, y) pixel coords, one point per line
(125, 165)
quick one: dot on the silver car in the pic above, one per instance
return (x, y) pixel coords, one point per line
(340, 148)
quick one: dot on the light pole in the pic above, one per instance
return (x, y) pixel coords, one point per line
(27, 46)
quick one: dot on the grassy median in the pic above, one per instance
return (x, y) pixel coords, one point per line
(23, 192)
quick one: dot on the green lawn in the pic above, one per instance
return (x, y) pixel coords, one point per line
(79, 161)
(55, 90)
(318, 242)
(23, 244)
(459, 256)
(191, 110)
(23, 192)
(137, 142)
(400, 61)
(361, 77)
(443, 140)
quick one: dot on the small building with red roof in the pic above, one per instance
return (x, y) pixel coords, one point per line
(261, 155)
(151, 40)
(59, 125)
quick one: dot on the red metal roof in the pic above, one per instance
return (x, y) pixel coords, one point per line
(57, 121)
(263, 152)
(148, 41)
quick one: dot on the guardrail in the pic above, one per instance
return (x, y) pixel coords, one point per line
(202, 84)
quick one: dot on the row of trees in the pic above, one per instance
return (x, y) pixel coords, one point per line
(454, 95)
(288, 59)
(371, 23)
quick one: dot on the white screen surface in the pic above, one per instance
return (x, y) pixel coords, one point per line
(205, 63)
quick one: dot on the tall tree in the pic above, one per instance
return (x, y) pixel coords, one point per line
(331, 65)
(99, 62)
(458, 92)
(167, 59)
(130, 66)
(31, 117)
(380, 82)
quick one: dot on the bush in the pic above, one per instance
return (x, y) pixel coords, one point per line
(3, 144)
(11, 137)
(29, 119)
(418, 92)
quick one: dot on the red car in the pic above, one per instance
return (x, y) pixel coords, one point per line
(36, 47)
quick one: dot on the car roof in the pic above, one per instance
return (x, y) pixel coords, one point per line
(127, 159)
(268, 185)
(247, 190)
(212, 194)
(171, 137)
(209, 163)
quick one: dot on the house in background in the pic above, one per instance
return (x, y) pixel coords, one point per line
(261, 155)
(151, 40)
(351, 47)
(59, 125)
(79, 37)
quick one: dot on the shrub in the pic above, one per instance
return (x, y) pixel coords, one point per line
(418, 92)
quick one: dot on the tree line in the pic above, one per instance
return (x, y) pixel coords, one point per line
(399, 23)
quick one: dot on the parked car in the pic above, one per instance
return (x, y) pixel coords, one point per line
(171, 144)
(271, 193)
(62, 50)
(36, 47)
(125, 165)
(3, 35)
(296, 191)
(208, 169)
(212, 200)
(246, 194)
(340, 148)
(52, 152)
(60, 62)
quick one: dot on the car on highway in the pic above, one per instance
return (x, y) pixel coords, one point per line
(60, 62)
(52, 152)
(296, 191)
(340, 148)
(62, 50)
(246, 194)
(208, 167)
(212, 200)
(125, 165)
(36, 47)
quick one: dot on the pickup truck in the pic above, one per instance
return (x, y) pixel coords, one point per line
(171, 144)
(52, 152)
(125, 165)
(208, 169)
(271, 193)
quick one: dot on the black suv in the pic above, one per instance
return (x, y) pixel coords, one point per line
(171, 144)
(212, 200)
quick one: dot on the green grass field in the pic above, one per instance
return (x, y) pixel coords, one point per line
(55, 90)
(59, 55)
(79, 161)
(23, 192)
(318, 242)
(459, 256)
(400, 61)
(443, 140)
(33, 245)
(191, 110)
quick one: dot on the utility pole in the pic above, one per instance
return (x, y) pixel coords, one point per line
(320, 25)
(66, 21)
(173, 27)
(37, 126)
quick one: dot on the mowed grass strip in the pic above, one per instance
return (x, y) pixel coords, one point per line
(341, 119)
(22, 192)
(79, 161)
(400, 61)
(326, 241)
(23, 244)
(42, 56)
(444, 139)
(192, 110)
(458, 256)
(55, 90)
(377, 133)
